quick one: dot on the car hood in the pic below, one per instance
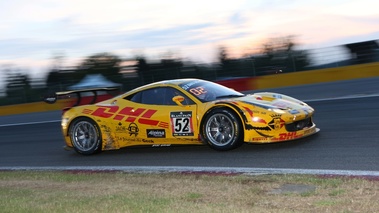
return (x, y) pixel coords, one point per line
(273, 100)
(289, 108)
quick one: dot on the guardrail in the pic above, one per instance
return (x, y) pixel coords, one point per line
(305, 77)
(32, 107)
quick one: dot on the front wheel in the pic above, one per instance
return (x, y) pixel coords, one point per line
(222, 130)
(85, 136)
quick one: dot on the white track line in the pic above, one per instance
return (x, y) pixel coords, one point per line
(178, 169)
(30, 123)
(342, 98)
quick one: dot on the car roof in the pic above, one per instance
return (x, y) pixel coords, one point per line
(174, 82)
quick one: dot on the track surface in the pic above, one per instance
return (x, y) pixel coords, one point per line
(349, 139)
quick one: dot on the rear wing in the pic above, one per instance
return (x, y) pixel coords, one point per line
(83, 96)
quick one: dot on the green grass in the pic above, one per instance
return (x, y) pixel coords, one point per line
(32, 191)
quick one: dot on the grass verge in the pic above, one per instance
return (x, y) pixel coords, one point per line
(35, 191)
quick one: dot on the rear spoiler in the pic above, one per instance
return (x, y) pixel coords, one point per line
(53, 97)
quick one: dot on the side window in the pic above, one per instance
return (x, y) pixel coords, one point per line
(159, 96)
(153, 96)
(135, 98)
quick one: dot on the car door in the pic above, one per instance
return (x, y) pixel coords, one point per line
(161, 120)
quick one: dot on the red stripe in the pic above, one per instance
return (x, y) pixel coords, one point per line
(163, 124)
(149, 113)
(131, 111)
(130, 119)
(118, 117)
(148, 122)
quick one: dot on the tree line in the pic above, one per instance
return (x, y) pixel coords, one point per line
(277, 55)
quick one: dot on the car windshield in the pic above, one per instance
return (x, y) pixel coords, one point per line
(208, 91)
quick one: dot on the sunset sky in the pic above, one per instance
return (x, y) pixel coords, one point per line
(33, 31)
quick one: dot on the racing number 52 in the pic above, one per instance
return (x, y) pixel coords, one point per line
(182, 125)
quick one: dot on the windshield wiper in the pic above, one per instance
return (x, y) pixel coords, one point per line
(229, 96)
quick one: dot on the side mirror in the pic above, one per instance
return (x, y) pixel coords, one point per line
(178, 100)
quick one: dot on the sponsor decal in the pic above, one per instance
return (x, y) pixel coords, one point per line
(257, 139)
(181, 123)
(128, 114)
(156, 133)
(198, 91)
(138, 140)
(128, 139)
(294, 111)
(133, 129)
(275, 115)
(276, 123)
(122, 138)
(188, 85)
(288, 136)
(121, 129)
(147, 141)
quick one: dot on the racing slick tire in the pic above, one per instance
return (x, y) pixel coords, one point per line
(222, 130)
(85, 136)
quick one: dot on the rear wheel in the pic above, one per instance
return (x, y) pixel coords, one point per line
(222, 130)
(85, 136)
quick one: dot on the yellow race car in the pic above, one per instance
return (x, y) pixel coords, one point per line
(184, 111)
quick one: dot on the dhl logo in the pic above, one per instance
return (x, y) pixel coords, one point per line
(288, 136)
(127, 114)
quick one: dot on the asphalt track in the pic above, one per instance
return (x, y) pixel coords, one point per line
(346, 112)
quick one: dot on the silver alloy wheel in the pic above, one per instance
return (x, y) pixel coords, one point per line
(220, 129)
(84, 136)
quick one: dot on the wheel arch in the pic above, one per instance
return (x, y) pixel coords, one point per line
(77, 118)
(235, 109)
(99, 147)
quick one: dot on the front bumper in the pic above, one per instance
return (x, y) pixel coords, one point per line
(259, 137)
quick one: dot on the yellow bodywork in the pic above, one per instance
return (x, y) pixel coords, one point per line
(125, 123)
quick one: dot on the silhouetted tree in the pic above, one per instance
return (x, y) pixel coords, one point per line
(281, 53)
(53, 78)
(143, 70)
(278, 55)
(102, 63)
(225, 63)
(18, 85)
(170, 69)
